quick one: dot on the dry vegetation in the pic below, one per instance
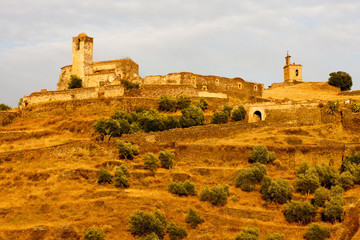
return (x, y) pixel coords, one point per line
(49, 166)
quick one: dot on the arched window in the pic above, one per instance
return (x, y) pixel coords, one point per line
(297, 72)
(78, 44)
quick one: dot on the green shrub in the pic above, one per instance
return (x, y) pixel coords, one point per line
(127, 150)
(340, 79)
(321, 195)
(354, 169)
(299, 211)
(150, 161)
(261, 154)
(176, 232)
(220, 117)
(328, 176)
(104, 177)
(121, 177)
(249, 177)
(355, 107)
(94, 233)
(227, 109)
(111, 127)
(183, 101)
(166, 103)
(333, 208)
(275, 236)
(75, 82)
(238, 114)
(191, 116)
(279, 191)
(151, 121)
(217, 195)
(346, 180)
(129, 84)
(166, 159)
(248, 233)
(193, 218)
(142, 224)
(151, 236)
(117, 115)
(302, 168)
(171, 122)
(182, 188)
(4, 107)
(307, 182)
(202, 104)
(353, 158)
(333, 107)
(316, 231)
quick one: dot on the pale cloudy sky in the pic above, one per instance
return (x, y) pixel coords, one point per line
(230, 38)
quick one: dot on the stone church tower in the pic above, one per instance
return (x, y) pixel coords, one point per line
(82, 56)
(292, 72)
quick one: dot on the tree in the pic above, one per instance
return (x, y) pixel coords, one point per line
(94, 233)
(320, 196)
(193, 218)
(279, 191)
(111, 127)
(340, 79)
(166, 159)
(275, 236)
(217, 195)
(220, 117)
(191, 116)
(166, 103)
(307, 182)
(75, 82)
(176, 232)
(182, 188)
(142, 224)
(248, 233)
(299, 211)
(261, 154)
(183, 101)
(346, 180)
(4, 107)
(316, 231)
(249, 177)
(238, 114)
(127, 150)
(121, 177)
(202, 104)
(150, 161)
(104, 176)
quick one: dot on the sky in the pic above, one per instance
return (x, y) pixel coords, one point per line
(228, 38)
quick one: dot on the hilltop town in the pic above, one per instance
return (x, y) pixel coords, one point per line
(56, 145)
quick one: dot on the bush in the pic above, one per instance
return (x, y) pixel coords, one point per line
(183, 101)
(202, 104)
(171, 122)
(227, 109)
(130, 85)
(220, 117)
(275, 236)
(307, 182)
(176, 232)
(4, 107)
(167, 104)
(127, 150)
(142, 224)
(355, 107)
(75, 82)
(94, 233)
(249, 177)
(117, 115)
(217, 195)
(340, 79)
(333, 107)
(191, 116)
(321, 195)
(121, 177)
(104, 177)
(151, 121)
(111, 127)
(151, 236)
(248, 233)
(316, 231)
(279, 191)
(328, 176)
(333, 209)
(261, 154)
(354, 169)
(346, 180)
(182, 188)
(166, 159)
(193, 218)
(302, 168)
(150, 161)
(299, 211)
(238, 114)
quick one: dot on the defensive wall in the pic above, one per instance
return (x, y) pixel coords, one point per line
(349, 93)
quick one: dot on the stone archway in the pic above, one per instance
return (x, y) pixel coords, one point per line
(256, 114)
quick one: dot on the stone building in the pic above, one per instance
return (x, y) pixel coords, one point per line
(292, 72)
(95, 74)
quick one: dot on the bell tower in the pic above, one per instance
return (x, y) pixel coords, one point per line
(292, 72)
(82, 55)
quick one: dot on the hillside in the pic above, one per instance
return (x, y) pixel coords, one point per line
(49, 162)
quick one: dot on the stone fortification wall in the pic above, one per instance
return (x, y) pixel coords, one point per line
(235, 87)
(72, 94)
(155, 91)
(102, 73)
(350, 93)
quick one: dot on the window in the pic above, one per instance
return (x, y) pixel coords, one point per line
(255, 88)
(297, 72)
(78, 44)
(204, 88)
(239, 85)
(217, 82)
